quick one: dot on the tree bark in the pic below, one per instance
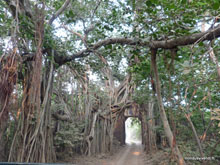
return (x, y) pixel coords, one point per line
(91, 135)
(150, 127)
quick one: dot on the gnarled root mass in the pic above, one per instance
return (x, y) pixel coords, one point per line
(8, 76)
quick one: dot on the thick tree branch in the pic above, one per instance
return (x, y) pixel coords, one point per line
(187, 40)
(168, 44)
(60, 11)
(99, 44)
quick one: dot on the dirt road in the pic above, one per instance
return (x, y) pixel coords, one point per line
(129, 155)
(132, 154)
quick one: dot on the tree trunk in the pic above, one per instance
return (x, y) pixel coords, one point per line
(91, 135)
(163, 116)
(148, 124)
(33, 139)
(150, 128)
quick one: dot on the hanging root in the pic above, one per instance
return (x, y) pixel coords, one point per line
(8, 76)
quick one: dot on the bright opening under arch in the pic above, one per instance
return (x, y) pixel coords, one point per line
(132, 131)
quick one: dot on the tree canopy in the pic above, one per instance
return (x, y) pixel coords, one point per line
(70, 68)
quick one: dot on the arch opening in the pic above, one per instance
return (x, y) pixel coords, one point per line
(133, 131)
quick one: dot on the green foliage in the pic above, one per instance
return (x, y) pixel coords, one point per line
(135, 122)
(70, 135)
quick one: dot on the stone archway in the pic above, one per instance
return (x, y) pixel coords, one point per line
(119, 131)
(145, 113)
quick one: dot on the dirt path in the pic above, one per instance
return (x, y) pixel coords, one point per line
(129, 155)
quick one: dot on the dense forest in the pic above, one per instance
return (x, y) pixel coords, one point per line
(73, 71)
